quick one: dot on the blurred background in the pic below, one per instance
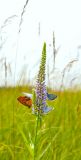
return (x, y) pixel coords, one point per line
(24, 26)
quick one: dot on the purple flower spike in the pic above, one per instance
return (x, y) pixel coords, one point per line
(40, 106)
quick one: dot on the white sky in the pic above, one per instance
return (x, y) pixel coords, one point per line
(61, 16)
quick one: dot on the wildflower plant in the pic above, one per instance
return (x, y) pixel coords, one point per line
(37, 100)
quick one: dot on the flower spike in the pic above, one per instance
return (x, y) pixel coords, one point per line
(37, 100)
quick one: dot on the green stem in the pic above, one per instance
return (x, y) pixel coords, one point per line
(37, 121)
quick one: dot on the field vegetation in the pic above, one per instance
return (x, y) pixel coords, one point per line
(58, 137)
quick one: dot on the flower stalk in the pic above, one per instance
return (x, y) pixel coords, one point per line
(41, 93)
(37, 100)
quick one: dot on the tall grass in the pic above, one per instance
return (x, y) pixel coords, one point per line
(59, 136)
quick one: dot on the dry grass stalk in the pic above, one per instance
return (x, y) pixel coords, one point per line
(68, 66)
(22, 13)
(7, 68)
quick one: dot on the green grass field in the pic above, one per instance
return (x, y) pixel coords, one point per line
(58, 137)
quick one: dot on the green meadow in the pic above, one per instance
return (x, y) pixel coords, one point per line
(58, 136)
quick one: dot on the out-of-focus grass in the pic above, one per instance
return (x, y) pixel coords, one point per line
(59, 137)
